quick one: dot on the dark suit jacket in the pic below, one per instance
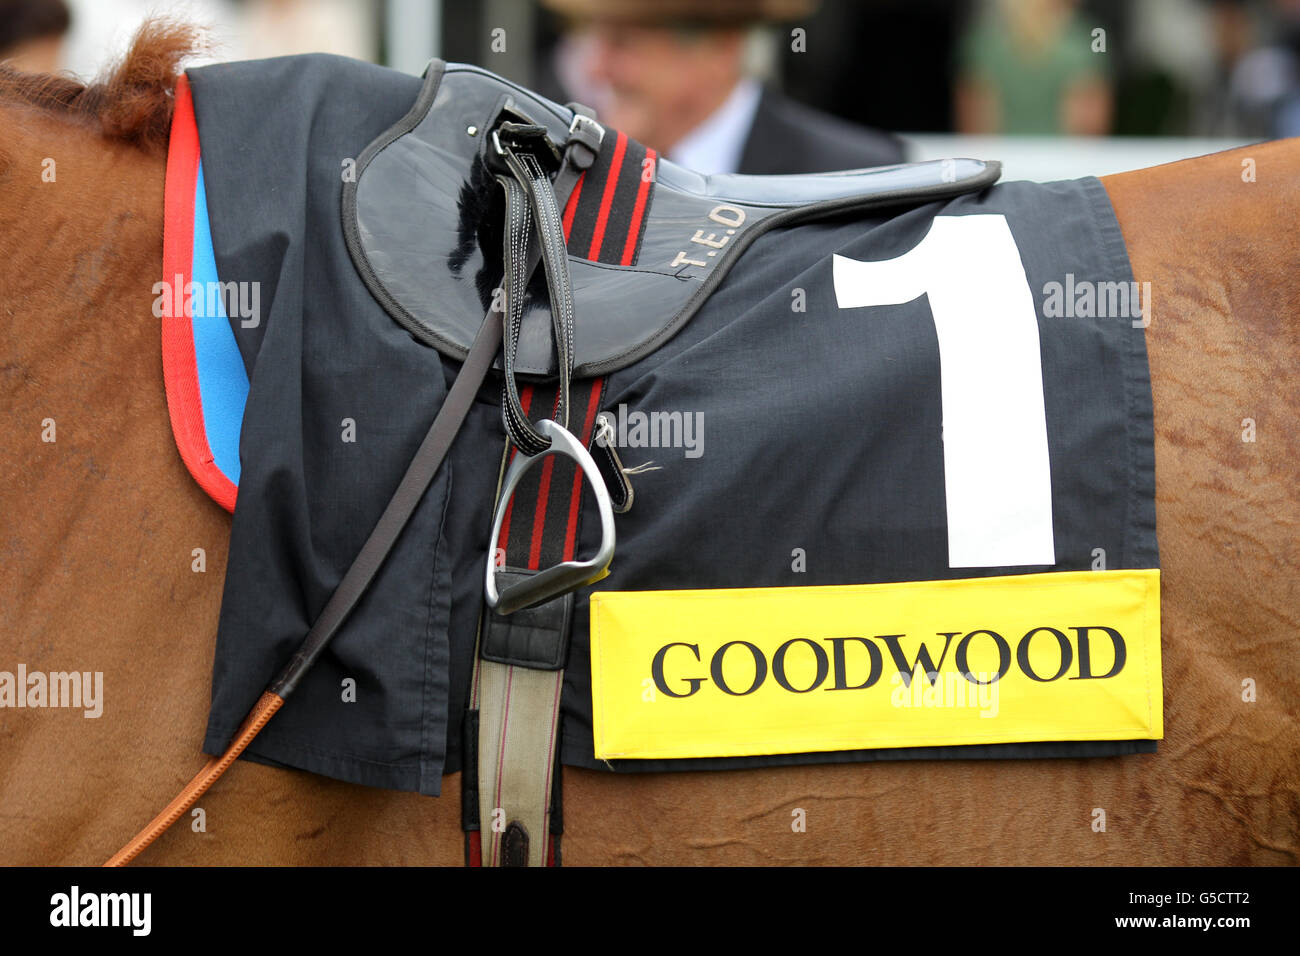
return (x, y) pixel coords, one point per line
(788, 137)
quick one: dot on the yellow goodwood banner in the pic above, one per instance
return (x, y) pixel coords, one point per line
(1069, 655)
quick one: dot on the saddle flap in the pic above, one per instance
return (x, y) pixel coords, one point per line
(648, 240)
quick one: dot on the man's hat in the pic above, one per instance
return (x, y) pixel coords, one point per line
(664, 12)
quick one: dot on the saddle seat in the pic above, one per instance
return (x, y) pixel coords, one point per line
(422, 221)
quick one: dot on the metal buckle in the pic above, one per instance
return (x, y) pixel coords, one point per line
(566, 575)
(528, 137)
(588, 123)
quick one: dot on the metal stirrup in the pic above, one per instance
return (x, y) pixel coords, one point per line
(566, 575)
(549, 436)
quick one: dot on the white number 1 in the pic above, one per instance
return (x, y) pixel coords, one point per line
(996, 465)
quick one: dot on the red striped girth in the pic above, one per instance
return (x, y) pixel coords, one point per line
(604, 221)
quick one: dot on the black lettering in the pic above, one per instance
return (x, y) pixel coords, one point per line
(841, 668)
(760, 668)
(657, 670)
(922, 656)
(1004, 656)
(778, 665)
(1085, 653)
(1022, 654)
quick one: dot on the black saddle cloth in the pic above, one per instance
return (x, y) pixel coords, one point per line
(822, 429)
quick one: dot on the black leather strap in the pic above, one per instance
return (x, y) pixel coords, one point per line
(514, 845)
(536, 637)
(531, 177)
(514, 285)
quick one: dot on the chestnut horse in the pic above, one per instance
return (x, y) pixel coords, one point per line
(99, 521)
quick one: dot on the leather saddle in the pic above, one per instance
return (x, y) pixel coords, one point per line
(422, 222)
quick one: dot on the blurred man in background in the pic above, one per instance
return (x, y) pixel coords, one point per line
(680, 76)
(31, 34)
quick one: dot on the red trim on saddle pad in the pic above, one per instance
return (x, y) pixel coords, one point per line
(180, 368)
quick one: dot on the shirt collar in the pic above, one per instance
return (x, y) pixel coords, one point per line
(716, 144)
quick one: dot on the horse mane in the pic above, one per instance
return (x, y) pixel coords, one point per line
(132, 102)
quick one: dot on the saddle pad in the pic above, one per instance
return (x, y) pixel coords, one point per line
(833, 414)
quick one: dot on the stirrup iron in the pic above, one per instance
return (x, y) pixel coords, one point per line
(566, 575)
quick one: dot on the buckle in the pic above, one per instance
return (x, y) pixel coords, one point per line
(567, 575)
(526, 136)
(586, 129)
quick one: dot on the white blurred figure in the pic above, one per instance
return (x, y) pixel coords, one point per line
(233, 29)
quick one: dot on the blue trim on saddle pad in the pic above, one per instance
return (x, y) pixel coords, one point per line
(223, 382)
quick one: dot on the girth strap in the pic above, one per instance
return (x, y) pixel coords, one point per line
(517, 749)
(519, 674)
(512, 817)
(512, 741)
